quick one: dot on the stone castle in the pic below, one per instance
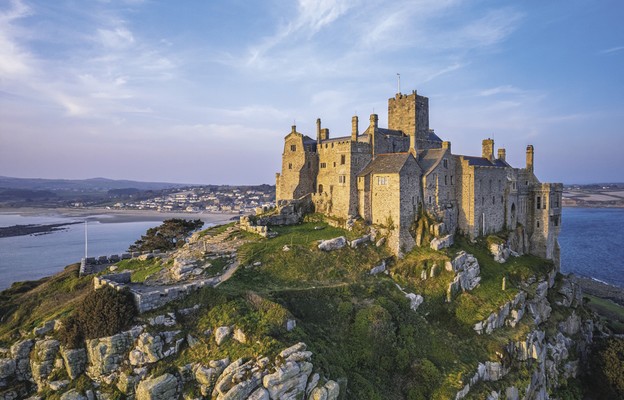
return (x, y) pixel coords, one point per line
(390, 176)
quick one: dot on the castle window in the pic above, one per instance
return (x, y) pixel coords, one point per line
(382, 180)
(545, 204)
(482, 201)
(538, 202)
(293, 147)
(289, 165)
(538, 224)
(445, 163)
(343, 159)
(493, 199)
(323, 165)
(342, 179)
(429, 199)
(451, 179)
(445, 180)
(499, 185)
(309, 164)
(332, 145)
(502, 200)
(334, 164)
(556, 201)
(514, 185)
(320, 188)
(490, 184)
(556, 221)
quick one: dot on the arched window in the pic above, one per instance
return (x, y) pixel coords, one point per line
(320, 189)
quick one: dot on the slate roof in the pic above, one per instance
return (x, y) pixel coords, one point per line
(484, 162)
(308, 140)
(429, 159)
(433, 137)
(386, 163)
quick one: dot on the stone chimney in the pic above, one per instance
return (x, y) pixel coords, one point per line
(373, 121)
(324, 133)
(318, 130)
(501, 154)
(354, 128)
(487, 149)
(446, 145)
(529, 158)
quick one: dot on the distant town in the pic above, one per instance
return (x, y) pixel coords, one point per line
(594, 195)
(227, 199)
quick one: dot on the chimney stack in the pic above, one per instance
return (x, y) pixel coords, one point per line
(501, 154)
(529, 158)
(318, 130)
(354, 128)
(487, 149)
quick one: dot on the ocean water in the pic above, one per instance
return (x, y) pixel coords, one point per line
(592, 243)
(591, 239)
(35, 256)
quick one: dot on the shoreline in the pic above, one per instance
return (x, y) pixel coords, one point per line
(597, 288)
(104, 215)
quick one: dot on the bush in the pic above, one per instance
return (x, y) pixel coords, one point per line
(105, 312)
(70, 334)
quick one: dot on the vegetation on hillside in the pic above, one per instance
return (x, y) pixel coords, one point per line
(167, 236)
(359, 327)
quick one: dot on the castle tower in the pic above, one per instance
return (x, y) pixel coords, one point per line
(487, 149)
(372, 128)
(354, 128)
(409, 114)
(529, 158)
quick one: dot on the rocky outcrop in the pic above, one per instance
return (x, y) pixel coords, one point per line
(509, 314)
(163, 387)
(75, 361)
(221, 334)
(43, 360)
(501, 252)
(107, 354)
(20, 352)
(467, 271)
(333, 244)
(441, 242)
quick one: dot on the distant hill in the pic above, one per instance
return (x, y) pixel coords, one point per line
(93, 184)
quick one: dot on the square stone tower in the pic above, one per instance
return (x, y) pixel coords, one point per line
(409, 113)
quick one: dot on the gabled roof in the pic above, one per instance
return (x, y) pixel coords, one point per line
(484, 162)
(429, 159)
(392, 132)
(386, 163)
(308, 140)
(433, 137)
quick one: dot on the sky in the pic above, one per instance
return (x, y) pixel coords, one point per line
(205, 91)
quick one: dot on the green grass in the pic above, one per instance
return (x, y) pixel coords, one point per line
(26, 305)
(141, 269)
(611, 313)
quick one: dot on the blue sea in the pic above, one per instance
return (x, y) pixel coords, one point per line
(592, 244)
(32, 257)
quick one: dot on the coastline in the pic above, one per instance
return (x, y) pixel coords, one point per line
(597, 288)
(104, 215)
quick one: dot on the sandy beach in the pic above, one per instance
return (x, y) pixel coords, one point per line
(104, 215)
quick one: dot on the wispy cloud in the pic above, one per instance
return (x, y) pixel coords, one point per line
(611, 50)
(505, 89)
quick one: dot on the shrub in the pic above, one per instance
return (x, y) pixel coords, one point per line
(105, 312)
(70, 334)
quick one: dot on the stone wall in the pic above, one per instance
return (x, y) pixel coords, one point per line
(93, 265)
(299, 168)
(409, 113)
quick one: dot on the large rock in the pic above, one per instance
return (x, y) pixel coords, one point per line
(288, 381)
(107, 354)
(43, 360)
(442, 242)
(415, 300)
(7, 368)
(20, 352)
(75, 361)
(73, 394)
(221, 334)
(333, 244)
(163, 387)
(148, 350)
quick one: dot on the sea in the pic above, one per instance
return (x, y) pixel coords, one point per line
(31, 257)
(591, 240)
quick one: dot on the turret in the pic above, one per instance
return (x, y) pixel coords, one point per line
(501, 154)
(354, 128)
(487, 149)
(529, 158)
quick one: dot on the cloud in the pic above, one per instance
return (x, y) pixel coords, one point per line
(14, 59)
(611, 50)
(505, 89)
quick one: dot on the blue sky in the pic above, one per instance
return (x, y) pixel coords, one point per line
(205, 91)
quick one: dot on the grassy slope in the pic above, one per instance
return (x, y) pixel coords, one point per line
(358, 326)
